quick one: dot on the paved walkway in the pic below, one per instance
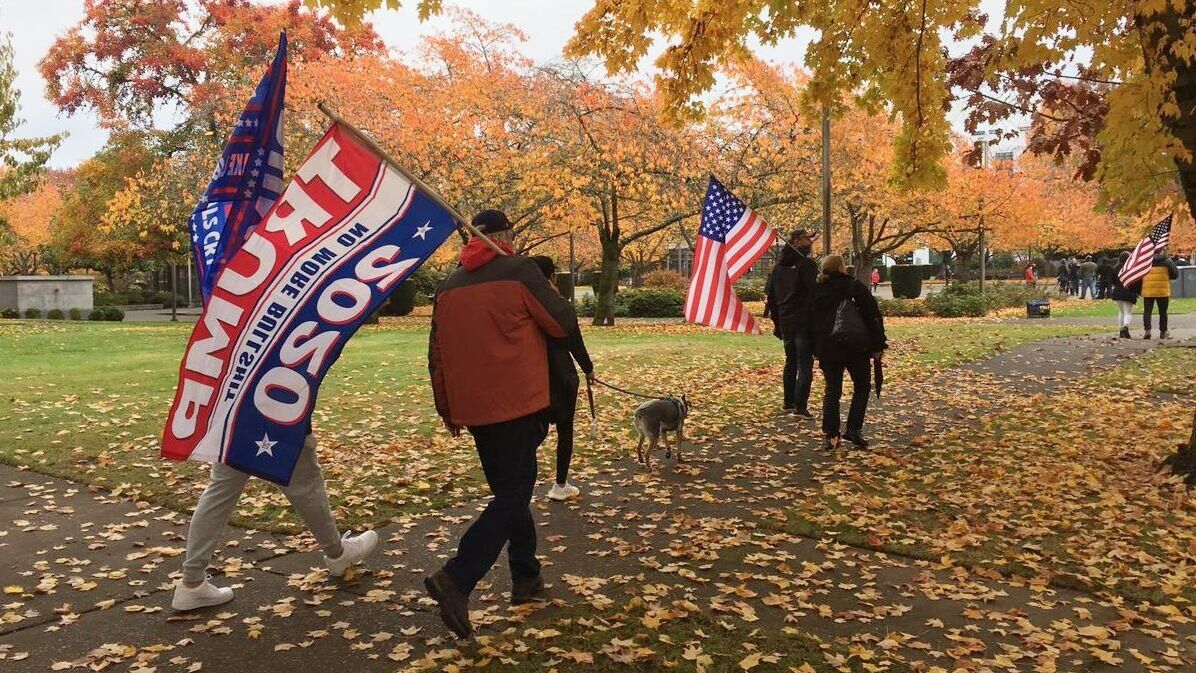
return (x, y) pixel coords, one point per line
(87, 574)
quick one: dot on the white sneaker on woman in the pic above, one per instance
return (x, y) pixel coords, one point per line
(564, 491)
(205, 595)
(354, 549)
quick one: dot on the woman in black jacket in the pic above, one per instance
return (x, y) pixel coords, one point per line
(562, 392)
(834, 287)
(1124, 297)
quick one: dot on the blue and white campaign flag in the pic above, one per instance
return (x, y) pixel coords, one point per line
(347, 231)
(247, 179)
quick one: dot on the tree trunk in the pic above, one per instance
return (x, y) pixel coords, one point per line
(1158, 48)
(608, 271)
(963, 265)
(608, 283)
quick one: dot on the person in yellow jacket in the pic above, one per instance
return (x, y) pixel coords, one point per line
(1156, 290)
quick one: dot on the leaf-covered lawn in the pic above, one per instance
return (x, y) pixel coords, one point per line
(88, 401)
(1061, 487)
(1105, 308)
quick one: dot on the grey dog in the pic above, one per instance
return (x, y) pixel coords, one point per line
(656, 417)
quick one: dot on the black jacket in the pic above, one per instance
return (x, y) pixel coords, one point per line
(562, 375)
(827, 297)
(788, 294)
(1119, 292)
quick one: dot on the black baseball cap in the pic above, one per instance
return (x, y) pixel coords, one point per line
(491, 221)
(803, 233)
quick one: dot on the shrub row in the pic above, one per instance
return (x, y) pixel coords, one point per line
(903, 308)
(133, 297)
(102, 313)
(965, 300)
(640, 303)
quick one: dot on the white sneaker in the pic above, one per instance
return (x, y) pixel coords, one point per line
(559, 492)
(356, 548)
(205, 595)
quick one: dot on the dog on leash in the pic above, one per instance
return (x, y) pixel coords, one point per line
(656, 417)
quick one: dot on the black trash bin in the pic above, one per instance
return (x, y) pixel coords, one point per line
(1038, 308)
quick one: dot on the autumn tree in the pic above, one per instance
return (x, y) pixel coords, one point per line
(127, 60)
(26, 225)
(21, 159)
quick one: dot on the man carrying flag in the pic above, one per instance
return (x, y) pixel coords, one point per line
(730, 240)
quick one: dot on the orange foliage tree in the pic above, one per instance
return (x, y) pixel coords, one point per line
(25, 223)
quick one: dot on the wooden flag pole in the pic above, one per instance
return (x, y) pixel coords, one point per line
(432, 194)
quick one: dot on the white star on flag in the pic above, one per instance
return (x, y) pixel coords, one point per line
(265, 445)
(423, 229)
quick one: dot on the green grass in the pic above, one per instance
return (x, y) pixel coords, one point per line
(1104, 308)
(88, 401)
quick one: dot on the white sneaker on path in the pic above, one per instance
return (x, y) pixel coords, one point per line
(355, 548)
(561, 492)
(205, 595)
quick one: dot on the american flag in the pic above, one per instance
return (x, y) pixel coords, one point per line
(732, 237)
(1142, 257)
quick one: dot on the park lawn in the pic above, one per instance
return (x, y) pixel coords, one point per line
(88, 401)
(1104, 308)
(1061, 489)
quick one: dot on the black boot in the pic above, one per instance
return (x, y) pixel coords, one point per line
(527, 591)
(857, 440)
(1125, 333)
(454, 605)
(830, 442)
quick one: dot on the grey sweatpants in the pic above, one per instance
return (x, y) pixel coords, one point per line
(219, 500)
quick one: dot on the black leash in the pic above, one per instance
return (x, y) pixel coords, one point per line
(626, 392)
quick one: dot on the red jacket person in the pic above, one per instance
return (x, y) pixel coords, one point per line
(488, 361)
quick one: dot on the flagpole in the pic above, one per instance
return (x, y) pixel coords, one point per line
(431, 193)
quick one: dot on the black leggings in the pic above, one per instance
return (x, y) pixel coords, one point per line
(564, 444)
(1148, 308)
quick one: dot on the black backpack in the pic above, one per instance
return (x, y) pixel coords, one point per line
(849, 331)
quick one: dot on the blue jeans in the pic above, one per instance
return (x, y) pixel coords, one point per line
(799, 372)
(1088, 288)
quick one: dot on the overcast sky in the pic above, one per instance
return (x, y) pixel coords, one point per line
(34, 24)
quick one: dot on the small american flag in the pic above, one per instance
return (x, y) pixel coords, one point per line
(732, 237)
(1142, 257)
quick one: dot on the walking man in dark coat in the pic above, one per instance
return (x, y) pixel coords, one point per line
(788, 293)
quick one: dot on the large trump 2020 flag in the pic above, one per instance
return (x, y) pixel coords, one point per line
(246, 180)
(347, 230)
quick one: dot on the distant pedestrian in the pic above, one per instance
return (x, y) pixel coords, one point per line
(788, 295)
(1088, 278)
(1063, 276)
(875, 280)
(1073, 276)
(563, 384)
(488, 359)
(1106, 272)
(843, 344)
(1156, 291)
(1125, 298)
(1030, 275)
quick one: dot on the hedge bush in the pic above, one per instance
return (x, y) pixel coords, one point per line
(903, 308)
(113, 314)
(652, 302)
(55, 314)
(749, 291)
(10, 313)
(957, 305)
(33, 313)
(666, 279)
(401, 302)
(907, 281)
(75, 314)
(96, 314)
(965, 299)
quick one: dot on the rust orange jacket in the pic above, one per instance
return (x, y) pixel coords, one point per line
(487, 351)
